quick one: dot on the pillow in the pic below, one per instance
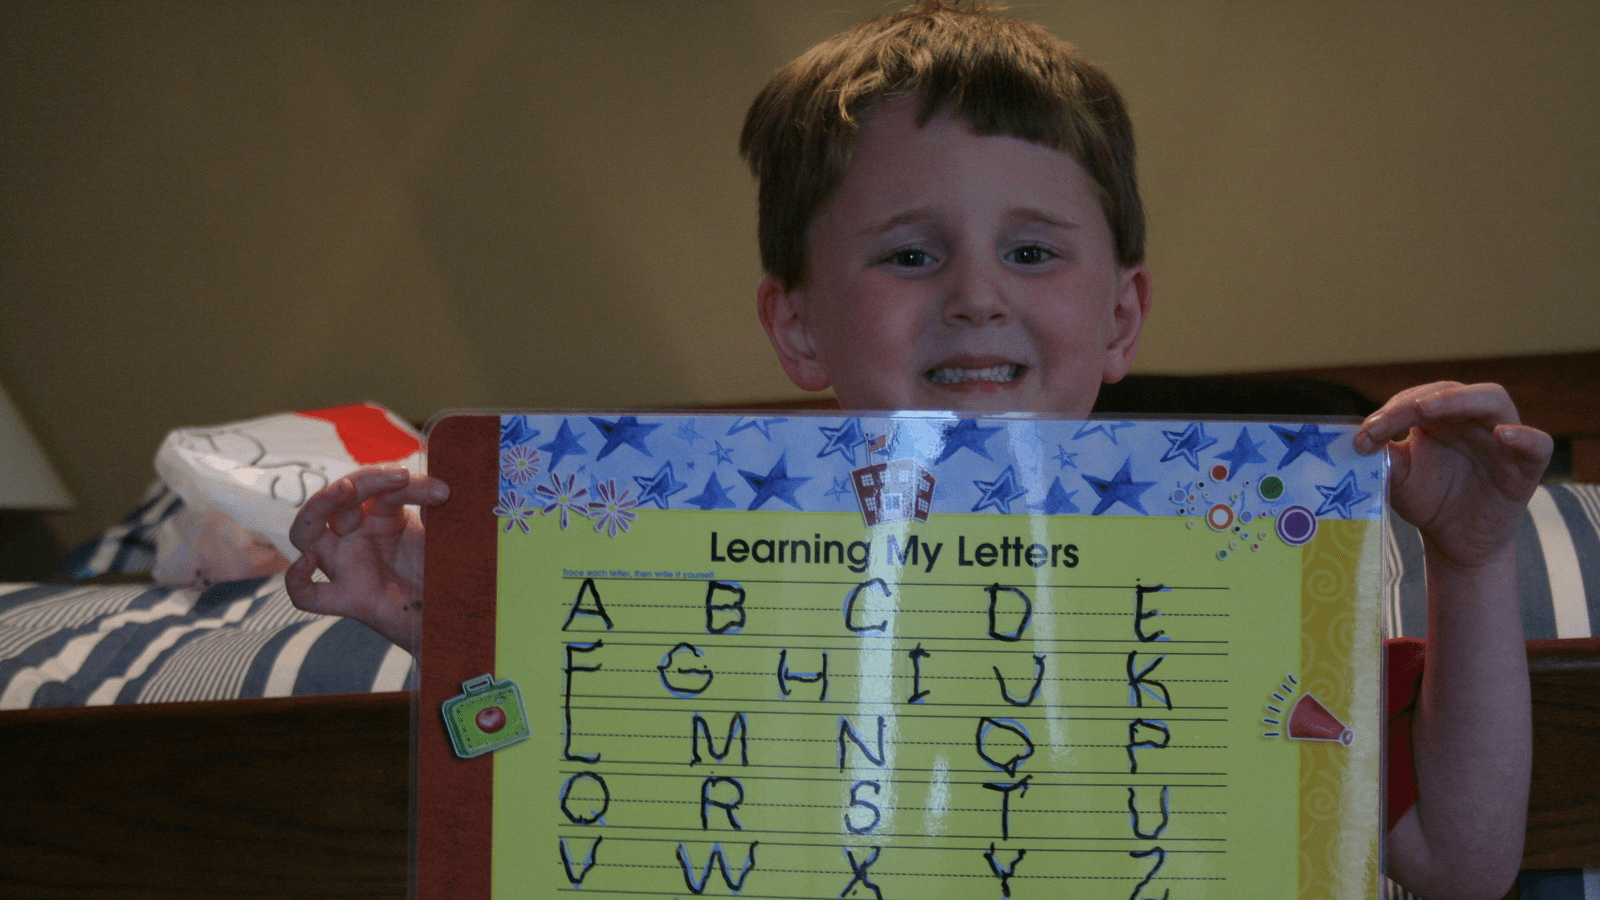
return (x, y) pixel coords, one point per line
(128, 547)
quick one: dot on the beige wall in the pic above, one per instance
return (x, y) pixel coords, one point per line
(218, 210)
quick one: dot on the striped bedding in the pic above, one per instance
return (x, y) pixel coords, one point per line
(69, 645)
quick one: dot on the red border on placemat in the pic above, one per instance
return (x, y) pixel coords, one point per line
(455, 797)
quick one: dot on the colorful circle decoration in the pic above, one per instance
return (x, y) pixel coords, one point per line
(1220, 517)
(1219, 472)
(1296, 525)
(1271, 488)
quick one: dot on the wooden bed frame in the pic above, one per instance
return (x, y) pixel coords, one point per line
(310, 796)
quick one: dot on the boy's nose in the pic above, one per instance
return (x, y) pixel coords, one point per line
(975, 297)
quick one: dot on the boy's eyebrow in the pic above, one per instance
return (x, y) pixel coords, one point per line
(1032, 214)
(1026, 214)
(896, 220)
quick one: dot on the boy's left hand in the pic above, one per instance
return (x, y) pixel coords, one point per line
(1466, 469)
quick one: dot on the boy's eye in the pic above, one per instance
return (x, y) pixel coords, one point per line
(910, 258)
(1030, 255)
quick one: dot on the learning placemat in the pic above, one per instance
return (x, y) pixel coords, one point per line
(899, 656)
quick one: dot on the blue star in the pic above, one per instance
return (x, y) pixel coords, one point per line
(1121, 488)
(723, 454)
(1057, 502)
(715, 496)
(841, 488)
(515, 430)
(999, 493)
(565, 444)
(842, 440)
(1340, 497)
(1064, 459)
(1309, 439)
(658, 487)
(1101, 428)
(761, 425)
(625, 430)
(1187, 444)
(969, 434)
(1244, 452)
(776, 483)
(687, 434)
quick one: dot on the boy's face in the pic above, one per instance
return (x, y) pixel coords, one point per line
(958, 272)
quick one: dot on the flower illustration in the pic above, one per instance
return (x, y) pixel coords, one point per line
(520, 464)
(613, 511)
(516, 510)
(560, 495)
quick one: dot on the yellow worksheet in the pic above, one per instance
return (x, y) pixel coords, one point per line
(908, 656)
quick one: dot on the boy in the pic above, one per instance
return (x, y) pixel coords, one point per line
(949, 220)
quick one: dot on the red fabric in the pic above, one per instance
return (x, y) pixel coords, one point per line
(367, 433)
(1404, 658)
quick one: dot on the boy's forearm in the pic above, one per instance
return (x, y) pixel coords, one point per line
(1472, 732)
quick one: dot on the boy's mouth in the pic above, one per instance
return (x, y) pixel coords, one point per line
(1002, 374)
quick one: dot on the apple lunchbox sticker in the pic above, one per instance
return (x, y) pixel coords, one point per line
(486, 716)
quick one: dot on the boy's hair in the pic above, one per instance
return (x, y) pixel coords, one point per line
(1004, 76)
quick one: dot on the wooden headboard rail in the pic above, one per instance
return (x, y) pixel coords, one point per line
(1564, 801)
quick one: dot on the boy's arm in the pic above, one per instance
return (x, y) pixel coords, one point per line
(1463, 475)
(359, 532)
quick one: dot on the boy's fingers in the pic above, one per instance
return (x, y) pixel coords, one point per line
(335, 505)
(311, 522)
(1433, 402)
(1532, 447)
(419, 490)
(1489, 402)
(370, 481)
(346, 520)
(297, 579)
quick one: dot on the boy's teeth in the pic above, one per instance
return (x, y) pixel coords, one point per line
(947, 375)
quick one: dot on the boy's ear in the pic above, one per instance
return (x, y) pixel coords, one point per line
(783, 315)
(1127, 321)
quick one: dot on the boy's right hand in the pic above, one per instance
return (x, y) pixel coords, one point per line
(359, 532)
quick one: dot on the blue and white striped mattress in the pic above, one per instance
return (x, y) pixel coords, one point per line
(72, 645)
